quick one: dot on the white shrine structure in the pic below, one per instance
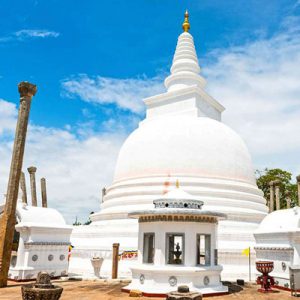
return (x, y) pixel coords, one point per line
(278, 240)
(177, 246)
(43, 240)
(42, 237)
(181, 137)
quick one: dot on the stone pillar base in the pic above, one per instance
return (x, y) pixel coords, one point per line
(183, 293)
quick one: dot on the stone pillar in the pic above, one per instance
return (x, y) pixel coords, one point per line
(23, 188)
(288, 199)
(103, 194)
(277, 196)
(44, 192)
(8, 218)
(298, 184)
(115, 260)
(271, 201)
(32, 171)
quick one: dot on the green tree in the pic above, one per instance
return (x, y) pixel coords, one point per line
(267, 175)
(89, 221)
(76, 223)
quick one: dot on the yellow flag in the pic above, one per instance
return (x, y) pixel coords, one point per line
(246, 251)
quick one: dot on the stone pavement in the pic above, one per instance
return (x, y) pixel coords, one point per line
(100, 290)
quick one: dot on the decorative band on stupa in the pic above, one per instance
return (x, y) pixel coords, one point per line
(177, 198)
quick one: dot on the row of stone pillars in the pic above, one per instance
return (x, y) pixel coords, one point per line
(32, 171)
(16, 181)
(275, 191)
(8, 217)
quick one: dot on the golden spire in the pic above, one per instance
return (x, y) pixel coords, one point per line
(186, 24)
(177, 183)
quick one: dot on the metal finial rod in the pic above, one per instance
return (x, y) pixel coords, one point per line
(186, 24)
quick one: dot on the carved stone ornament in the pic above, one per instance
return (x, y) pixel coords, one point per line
(142, 278)
(34, 257)
(62, 257)
(173, 281)
(206, 280)
(183, 293)
(43, 279)
(50, 257)
(27, 89)
(42, 289)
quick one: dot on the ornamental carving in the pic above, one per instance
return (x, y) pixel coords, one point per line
(206, 280)
(173, 281)
(50, 257)
(184, 203)
(142, 278)
(62, 257)
(170, 218)
(47, 244)
(34, 257)
(27, 89)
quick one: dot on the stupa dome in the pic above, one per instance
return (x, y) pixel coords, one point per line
(283, 220)
(182, 145)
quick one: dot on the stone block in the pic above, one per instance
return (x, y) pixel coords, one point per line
(183, 293)
(135, 293)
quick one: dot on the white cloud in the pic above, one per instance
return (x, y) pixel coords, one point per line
(259, 85)
(125, 93)
(26, 34)
(76, 167)
(8, 114)
(39, 33)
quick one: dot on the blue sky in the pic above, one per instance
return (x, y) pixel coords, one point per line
(94, 61)
(120, 39)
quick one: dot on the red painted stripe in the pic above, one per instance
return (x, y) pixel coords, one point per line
(284, 288)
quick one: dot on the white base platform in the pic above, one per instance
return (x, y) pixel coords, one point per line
(158, 280)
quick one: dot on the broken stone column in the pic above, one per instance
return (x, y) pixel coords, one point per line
(23, 188)
(8, 218)
(115, 260)
(298, 184)
(288, 199)
(277, 195)
(32, 171)
(44, 192)
(271, 201)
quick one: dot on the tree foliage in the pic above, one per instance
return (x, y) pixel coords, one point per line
(76, 223)
(286, 184)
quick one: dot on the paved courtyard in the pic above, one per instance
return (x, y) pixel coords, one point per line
(97, 290)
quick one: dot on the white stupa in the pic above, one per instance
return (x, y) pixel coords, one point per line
(182, 137)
